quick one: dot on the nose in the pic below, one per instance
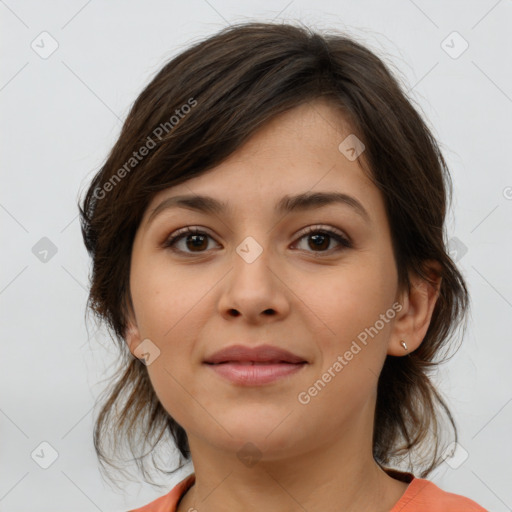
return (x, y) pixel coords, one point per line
(253, 288)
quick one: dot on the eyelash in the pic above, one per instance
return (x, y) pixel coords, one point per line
(182, 233)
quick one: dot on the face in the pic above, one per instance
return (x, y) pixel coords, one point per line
(319, 281)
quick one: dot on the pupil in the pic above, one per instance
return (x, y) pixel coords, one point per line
(318, 239)
(196, 240)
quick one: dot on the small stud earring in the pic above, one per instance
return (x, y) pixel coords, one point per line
(403, 344)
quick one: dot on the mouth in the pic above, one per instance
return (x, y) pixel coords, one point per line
(263, 354)
(256, 373)
(242, 362)
(254, 366)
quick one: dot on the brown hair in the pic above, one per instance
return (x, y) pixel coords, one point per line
(209, 100)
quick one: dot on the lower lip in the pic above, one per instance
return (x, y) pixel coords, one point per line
(255, 374)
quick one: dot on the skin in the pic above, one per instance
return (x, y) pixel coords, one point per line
(313, 302)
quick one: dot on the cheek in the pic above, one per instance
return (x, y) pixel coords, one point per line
(170, 312)
(352, 341)
(165, 299)
(348, 303)
(172, 387)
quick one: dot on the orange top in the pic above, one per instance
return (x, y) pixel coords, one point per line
(420, 496)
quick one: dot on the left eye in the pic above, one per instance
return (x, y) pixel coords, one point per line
(197, 240)
(320, 238)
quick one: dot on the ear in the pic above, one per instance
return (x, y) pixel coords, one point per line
(411, 323)
(132, 335)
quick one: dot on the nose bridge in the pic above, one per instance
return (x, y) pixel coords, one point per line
(250, 250)
(252, 261)
(252, 288)
(254, 236)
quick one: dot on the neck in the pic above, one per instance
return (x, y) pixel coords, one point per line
(339, 474)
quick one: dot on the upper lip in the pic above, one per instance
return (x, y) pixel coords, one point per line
(262, 353)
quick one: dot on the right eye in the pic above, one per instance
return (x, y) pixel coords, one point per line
(194, 239)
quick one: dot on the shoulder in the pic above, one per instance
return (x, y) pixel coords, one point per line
(423, 495)
(168, 502)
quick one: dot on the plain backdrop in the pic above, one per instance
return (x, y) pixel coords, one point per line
(70, 72)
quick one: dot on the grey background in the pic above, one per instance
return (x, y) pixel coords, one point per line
(62, 113)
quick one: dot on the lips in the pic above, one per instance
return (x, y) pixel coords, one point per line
(258, 366)
(264, 354)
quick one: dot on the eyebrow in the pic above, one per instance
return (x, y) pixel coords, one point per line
(288, 204)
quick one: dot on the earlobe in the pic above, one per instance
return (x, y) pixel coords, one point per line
(412, 323)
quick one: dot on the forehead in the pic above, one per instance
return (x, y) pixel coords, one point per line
(294, 153)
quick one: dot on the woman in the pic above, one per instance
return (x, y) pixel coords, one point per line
(267, 239)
